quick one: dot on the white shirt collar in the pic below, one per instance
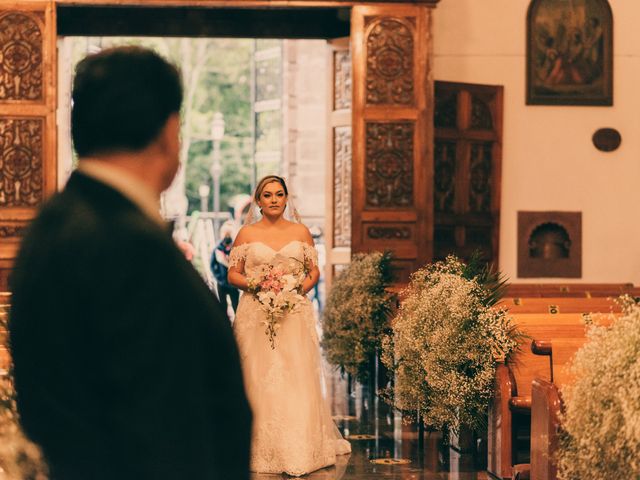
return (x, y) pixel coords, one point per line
(128, 185)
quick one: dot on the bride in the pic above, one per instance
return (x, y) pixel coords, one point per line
(293, 431)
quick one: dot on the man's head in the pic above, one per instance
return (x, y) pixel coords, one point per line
(123, 101)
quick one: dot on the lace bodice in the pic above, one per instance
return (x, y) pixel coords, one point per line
(255, 254)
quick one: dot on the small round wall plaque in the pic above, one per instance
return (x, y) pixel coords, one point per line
(607, 139)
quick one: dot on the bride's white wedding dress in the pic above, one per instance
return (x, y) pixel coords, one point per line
(293, 430)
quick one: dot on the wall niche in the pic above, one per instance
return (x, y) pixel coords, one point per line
(550, 244)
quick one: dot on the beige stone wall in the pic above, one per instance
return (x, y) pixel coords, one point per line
(304, 125)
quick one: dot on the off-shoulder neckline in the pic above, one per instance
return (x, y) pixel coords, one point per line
(274, 249)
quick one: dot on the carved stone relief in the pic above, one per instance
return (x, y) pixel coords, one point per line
(389, 164)
(342, 187)
(480, 181)
(390, 51)
(21, 182)
(444, 176)
(342, 80)
(21, 72)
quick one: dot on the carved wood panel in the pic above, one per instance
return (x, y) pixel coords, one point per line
(389, 165)
(21, 56)
(393, 134)
(390, 52)
(444, 175)
(21, 141)
(468, 134)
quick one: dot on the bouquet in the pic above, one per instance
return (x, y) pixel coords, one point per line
(278, 288)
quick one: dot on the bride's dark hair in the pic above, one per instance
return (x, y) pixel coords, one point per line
(264, 181)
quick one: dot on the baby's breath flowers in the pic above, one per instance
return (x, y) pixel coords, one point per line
(356, 315)
(19, 458)
(447, 339)
(601, 420)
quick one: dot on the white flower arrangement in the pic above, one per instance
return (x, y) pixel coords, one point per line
(601, 419)
(278, 288)
(355, 317)
(446, 341)
(19, 457)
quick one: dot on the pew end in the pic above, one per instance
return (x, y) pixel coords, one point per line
(546, 404)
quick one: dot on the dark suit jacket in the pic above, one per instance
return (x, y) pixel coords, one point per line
(125, 364)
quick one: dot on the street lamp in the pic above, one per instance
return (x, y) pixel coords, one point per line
(203, 192)
(217, 133)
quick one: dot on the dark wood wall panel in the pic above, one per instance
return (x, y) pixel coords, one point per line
(467, 163)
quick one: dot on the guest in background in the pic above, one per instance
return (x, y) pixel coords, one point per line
(220, 267)
(187, 249)
(125, 364)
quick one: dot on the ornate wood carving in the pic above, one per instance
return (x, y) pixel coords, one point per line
(389, 164)
(342, 80)
(390, 51)
(21, 61)
(481, 117)
(8, 231)
(342, 187)
(21, 140)
(444, 176)
(480, 181)
(389, 233)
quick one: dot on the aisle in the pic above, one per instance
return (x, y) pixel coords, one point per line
(377, 433)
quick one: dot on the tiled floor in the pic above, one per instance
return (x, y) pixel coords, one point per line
(376, 432)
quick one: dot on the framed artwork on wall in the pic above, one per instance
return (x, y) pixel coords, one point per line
(569, 52)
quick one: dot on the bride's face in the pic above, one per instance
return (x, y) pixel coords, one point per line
(273, 200)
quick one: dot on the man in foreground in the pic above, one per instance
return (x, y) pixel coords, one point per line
(125, 364)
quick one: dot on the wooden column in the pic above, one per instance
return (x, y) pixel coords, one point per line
(392, 195)
(27, 119)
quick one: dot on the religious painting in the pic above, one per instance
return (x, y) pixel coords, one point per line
(569, 52)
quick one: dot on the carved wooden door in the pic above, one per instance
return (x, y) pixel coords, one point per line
(467, 156)
(338, 223)
(27, 119)
(392, 195)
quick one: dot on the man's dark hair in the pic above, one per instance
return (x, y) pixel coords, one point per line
(122, 97)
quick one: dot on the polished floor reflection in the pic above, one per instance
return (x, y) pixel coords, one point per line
(386, 447)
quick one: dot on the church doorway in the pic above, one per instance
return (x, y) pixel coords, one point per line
(386, 133)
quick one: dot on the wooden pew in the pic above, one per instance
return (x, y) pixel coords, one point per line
(513, 397)
(541, 290)
(546, 405)
(553, 305)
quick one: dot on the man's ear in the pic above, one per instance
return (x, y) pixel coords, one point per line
(169, 137)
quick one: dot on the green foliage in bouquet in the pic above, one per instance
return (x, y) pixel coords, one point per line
(20, 459)
(447, 338)
(601, 421)
(356, 315)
